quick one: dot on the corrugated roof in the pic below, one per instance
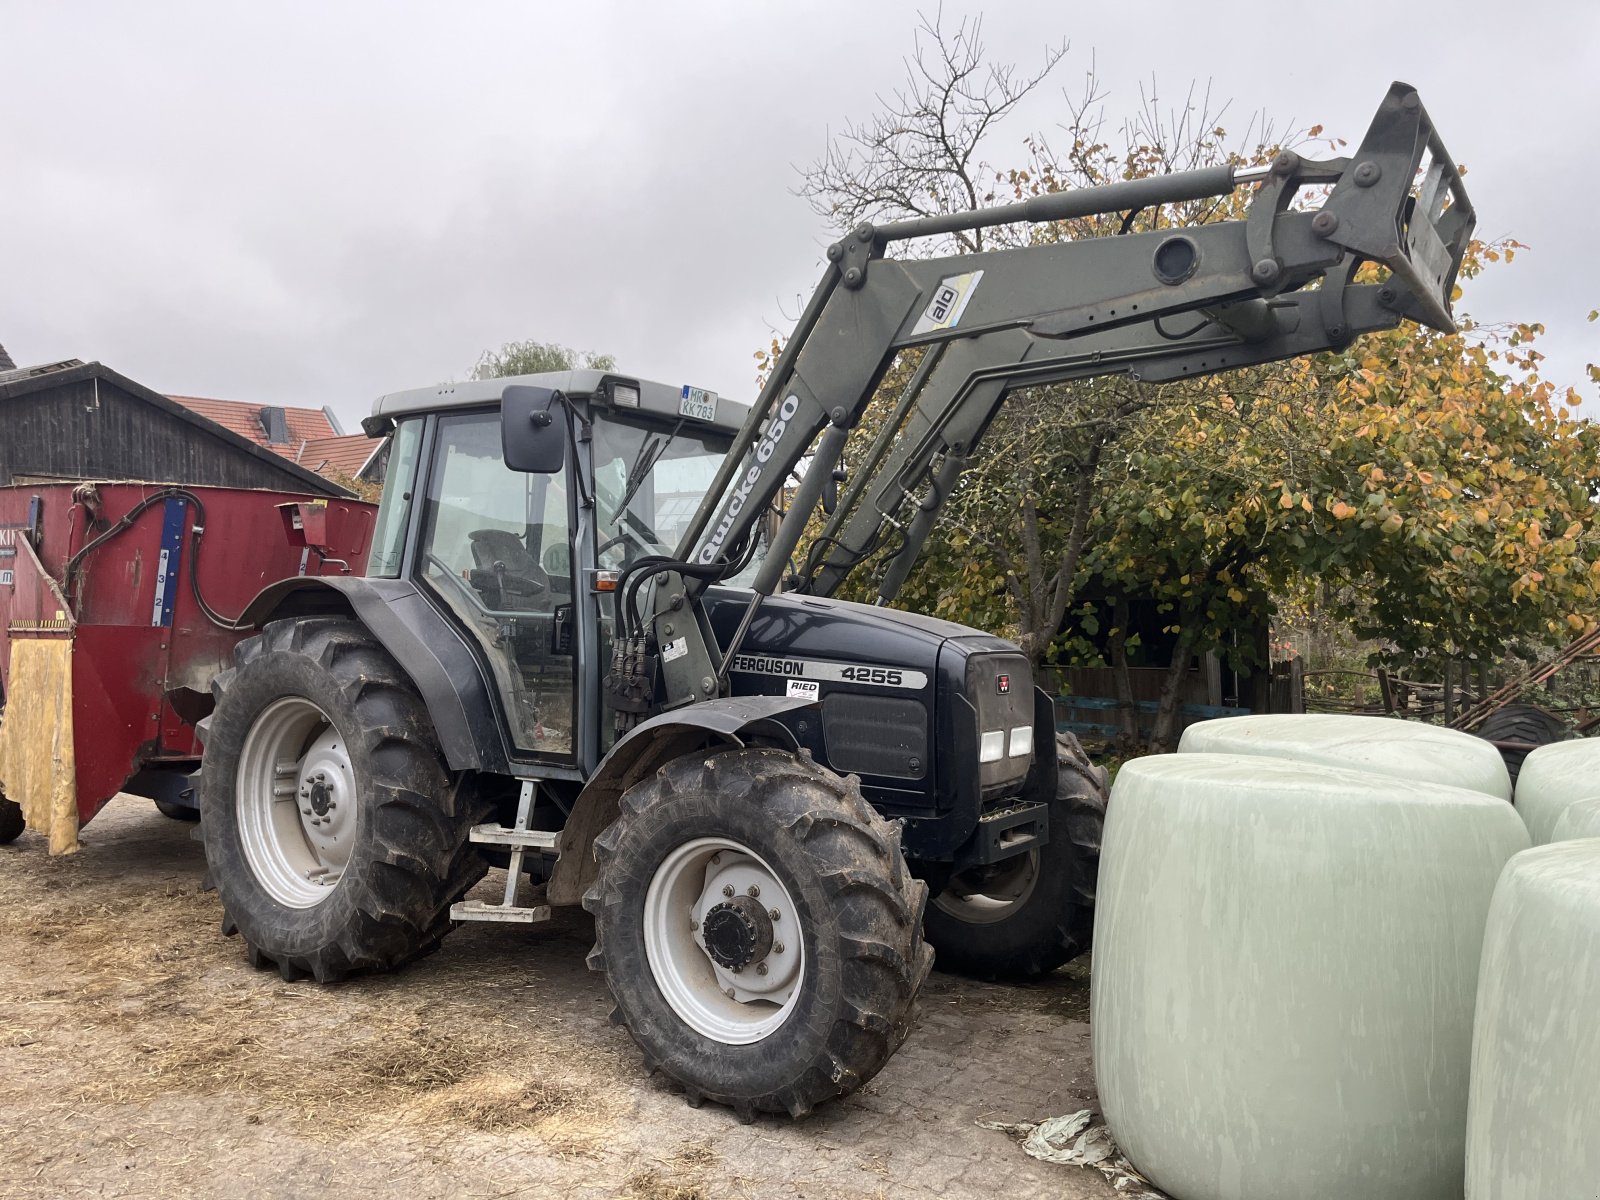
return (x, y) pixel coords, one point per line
(343, 455)
(22, 373)
(27, 380)
(305, 424)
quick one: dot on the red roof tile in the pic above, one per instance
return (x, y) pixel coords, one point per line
(344, 455)
(305, 424)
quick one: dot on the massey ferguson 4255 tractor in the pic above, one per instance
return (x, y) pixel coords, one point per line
(571, 655)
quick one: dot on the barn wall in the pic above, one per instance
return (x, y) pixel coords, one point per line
(92, 429)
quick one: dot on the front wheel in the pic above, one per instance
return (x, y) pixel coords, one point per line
(1027, 915)
(758, 930)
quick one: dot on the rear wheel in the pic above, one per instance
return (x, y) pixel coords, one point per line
(334, 836)
(11, 822)
(1522, 728)
(758, 929)
(1027, 915)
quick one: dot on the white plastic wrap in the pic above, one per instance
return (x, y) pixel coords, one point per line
(1580, 819)
(1286, 957)
(1533, 1129)
(1553, 777)
(1382, 745)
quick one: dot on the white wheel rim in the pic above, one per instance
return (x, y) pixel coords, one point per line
(983, 896)
(296, 802)
(691, 881)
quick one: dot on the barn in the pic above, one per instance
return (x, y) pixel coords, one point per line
(78, 420)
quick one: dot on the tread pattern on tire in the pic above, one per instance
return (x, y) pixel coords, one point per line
(882, 957)
(1521, 723)
(1053, 938)
(415, 856)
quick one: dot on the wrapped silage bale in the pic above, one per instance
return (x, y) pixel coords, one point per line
(1581, 819)
(1553, 777)
(1286, 957)
(1533, 1125)
(1382, 745)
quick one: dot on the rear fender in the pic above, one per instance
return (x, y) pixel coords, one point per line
(428, 648)
(736, 721)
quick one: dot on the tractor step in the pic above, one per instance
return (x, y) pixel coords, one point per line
(480, 910)
(505, 835)
(519, 839)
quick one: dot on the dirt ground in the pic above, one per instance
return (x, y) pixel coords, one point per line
(140, 1055)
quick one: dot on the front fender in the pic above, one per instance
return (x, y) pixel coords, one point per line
(731, 722)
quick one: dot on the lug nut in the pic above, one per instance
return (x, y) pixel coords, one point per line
(693, 924)
(716, 858)
(728, 992)
(777, 948)
(773, 913)
(754, 890)
(761, 968)
(727, 889)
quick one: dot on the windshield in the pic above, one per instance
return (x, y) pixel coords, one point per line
(649, 481)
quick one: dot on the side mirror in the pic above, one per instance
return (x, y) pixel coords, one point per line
(533, 434)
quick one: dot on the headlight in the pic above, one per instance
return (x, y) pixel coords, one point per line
(992, 746)
(1021, 741)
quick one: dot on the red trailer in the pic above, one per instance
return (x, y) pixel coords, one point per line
(117, 608)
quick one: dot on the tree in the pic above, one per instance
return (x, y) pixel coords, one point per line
(533, 358)
(1020, 516)
(1442, 489)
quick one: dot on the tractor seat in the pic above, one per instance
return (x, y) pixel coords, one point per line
(520, 583)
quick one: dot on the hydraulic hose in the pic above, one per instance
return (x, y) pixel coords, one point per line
(196, 532)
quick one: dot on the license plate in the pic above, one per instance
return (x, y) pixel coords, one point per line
(698, 403)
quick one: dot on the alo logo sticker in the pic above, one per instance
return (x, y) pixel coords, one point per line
(948, 303)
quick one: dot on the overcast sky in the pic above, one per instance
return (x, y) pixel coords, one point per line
(317, 203)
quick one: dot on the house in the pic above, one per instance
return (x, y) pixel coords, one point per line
(311, 437)
(77, 420)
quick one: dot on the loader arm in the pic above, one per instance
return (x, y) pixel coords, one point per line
(1157, 306)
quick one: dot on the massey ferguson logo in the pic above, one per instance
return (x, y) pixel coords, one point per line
(742, 490)
(1002, 684)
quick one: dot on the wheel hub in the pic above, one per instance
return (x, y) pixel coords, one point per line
(737, 932)
(724, 940)
(296, 800)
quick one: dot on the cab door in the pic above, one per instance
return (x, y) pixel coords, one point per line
(496, 549)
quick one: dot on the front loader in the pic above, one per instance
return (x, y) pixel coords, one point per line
(590, 650)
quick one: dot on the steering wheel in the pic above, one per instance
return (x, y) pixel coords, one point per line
(628, 534)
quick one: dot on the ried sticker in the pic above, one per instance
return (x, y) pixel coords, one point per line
(807, 688)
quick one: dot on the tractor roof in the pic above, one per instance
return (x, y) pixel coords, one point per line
(657, 399)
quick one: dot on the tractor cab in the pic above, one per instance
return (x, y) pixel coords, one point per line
(524, 553)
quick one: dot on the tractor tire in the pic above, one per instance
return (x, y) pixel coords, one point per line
(11, 822)
(797, 1008)
(1027, 915)
(333, 833)
(1527, 723)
